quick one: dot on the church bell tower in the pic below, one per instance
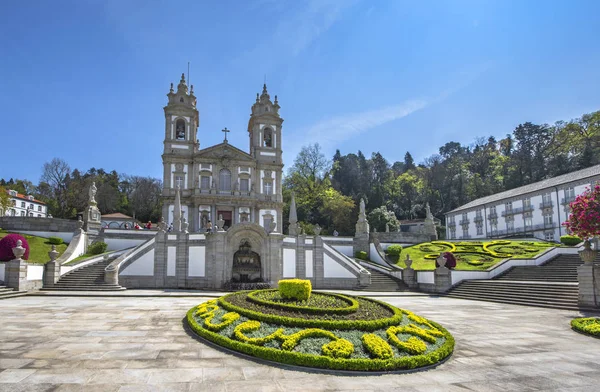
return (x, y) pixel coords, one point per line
(264, 128)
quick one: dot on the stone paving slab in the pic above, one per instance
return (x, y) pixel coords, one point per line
(116, 344)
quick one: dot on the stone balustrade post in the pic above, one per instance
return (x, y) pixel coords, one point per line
(15, 274)
(588, 276)
(409, 275)
(442, 276)
(51, 269)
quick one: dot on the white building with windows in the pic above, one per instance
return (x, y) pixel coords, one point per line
(25, 205)
(537, 209)
(222, 180)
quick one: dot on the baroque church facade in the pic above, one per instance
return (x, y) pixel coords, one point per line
(222, 182)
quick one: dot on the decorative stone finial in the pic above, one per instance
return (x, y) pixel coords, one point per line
(276, 102)
(79, 223)
(387, 227)
(588, 255)
(171, 89)
(317, 229)
(293, 229)
(441, 261)
(408, 261)
(192, 89)
(272, 227)
(220, 223)
(264, 88)
(257, 99)
(19, 251)
(162, 225)
(53, 254)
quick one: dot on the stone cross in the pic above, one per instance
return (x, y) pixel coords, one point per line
(225, 131)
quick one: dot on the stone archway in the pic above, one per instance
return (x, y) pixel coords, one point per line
(250, 240)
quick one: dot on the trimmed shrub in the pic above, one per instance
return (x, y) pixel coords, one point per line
(97, 248)
(253, 296)
(298, 289)
(394, 250)
(377, 346)
(9, 242)
(570, 240)
(55, 240)
(588, 325)
(361, 255)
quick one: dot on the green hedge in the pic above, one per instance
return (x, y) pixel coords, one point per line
(570, 240)
(588, 325)
(55, 240)
(328, 362)
(97, 248)
(364, 325)
(351, 308)
(394, 250)
(298, 289)
(361, 255)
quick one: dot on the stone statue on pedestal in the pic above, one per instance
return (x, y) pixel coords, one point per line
(92, 193)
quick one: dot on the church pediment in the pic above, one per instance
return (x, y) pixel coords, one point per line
(224, 151)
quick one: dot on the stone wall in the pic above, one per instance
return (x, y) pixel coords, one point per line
(412, 238)
(29, 223)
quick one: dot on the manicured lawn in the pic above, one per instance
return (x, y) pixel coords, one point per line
(472, 255)
(39, 248)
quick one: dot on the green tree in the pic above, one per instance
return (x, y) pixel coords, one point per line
(380, 216)
(5, 201)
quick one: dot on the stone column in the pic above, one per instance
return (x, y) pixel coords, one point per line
(15, 273)
(51, 269)
(318, 261)
(160, 259)
(300, 258)
(442, 276)
(409, 275)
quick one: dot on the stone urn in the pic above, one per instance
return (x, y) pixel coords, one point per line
(317, 229)
(18, 250)
(441, 261)
(408, 262)
(587, 254)
(53, 254)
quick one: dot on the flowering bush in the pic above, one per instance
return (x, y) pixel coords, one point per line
(9, 242)
(584, 220)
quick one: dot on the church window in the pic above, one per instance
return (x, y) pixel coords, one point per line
(268, 138)
(225, 180)
(180, 130)
(179, 182)
(244, 184)
(204, 182)
(267, 219)
(268, 188)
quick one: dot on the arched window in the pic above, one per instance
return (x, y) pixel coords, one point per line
(224, 180)
(268, 138)
(180, 129)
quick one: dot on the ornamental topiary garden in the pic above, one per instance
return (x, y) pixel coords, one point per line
(8, 243)
(297, 326)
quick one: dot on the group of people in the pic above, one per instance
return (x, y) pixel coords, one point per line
(137, 226)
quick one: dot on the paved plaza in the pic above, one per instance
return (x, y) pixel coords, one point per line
(90, 344)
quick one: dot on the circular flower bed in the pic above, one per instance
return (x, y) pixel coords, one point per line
(327, 331)
(587, 325)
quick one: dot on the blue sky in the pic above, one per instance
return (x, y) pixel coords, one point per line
(85, 80)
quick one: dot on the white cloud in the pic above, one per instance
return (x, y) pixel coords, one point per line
(332, 131)
(345, 127)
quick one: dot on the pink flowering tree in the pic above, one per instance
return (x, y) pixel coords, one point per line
(584, 220)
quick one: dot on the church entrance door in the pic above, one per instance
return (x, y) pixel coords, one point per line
(227, 217)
